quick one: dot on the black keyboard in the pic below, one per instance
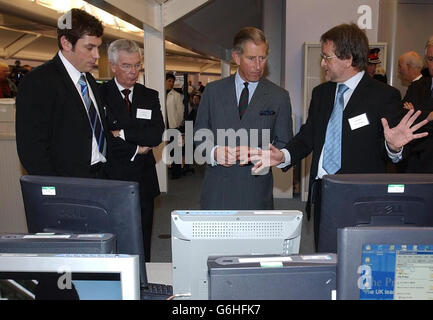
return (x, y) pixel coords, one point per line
(156, 291)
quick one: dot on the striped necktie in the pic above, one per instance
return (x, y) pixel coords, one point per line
(332, 148)
(243, 100)
(126, 93)
(95, 122)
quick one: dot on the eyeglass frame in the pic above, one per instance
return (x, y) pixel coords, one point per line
(128, 67)
(326, 58)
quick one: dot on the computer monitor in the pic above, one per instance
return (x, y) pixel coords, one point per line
(350, 200)
(83, 277)
(385, 263)
(273, 277)
(78, 205)
(196, 235)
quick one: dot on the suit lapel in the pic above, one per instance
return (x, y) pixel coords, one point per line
(257, 100)
(357, 98)
(70, 86)
(230, 103)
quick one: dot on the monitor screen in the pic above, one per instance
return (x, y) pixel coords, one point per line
(77, 205)
(385, 263)
(373, 200)
(196, 235)
(69, 277)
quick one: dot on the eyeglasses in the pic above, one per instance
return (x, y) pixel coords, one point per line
(326, 58)
(129, 67)
(429, 59)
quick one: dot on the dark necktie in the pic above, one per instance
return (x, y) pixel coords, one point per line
(126, 93)
(95, 122)
(243, 100)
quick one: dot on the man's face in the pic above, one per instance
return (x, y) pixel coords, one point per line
(84, 54)
(127, 68)
(169, 84)
(252, 61)
(336, 70)
(429, 59)
(403, 69)
(371, 69)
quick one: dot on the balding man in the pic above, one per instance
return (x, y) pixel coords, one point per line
(419, 96)
(409, 66)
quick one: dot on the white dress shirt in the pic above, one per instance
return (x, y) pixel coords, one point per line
(75, 76)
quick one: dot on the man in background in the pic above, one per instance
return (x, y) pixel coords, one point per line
(175, 116)
(419, 96)
(135, 122)
(409, 67)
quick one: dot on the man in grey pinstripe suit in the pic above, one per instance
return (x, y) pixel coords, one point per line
(244, 104)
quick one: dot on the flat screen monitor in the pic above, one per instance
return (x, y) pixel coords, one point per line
(196, 235)
(77, 205)
(350, 200)
(273, 277)
(385, 263)
(82, 277)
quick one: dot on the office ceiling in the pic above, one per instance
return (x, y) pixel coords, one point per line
(198, 40)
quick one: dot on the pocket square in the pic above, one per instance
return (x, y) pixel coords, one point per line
(267, 112)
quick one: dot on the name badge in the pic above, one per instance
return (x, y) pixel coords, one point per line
(359, 121)
(144, 114)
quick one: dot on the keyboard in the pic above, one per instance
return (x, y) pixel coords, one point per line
(156, 291)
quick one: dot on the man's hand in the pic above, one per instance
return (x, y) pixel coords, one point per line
(403, 133)
(225, 156)
(115, 133)
(408, 106)
(266, 158)
(143, 150)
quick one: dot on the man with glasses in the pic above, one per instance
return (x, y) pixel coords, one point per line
(419, 96)
(135, 122)
(347, 126)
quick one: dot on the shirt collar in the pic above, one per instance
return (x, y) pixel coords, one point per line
(72, 71)
(353, 82)
(120, 87)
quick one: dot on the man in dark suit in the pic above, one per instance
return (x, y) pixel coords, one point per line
(60, 127)
(242, 105)
(347, 122)
(419, 96)
(135, 122)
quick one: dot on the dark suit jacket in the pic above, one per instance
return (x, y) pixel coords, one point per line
(235, 187)
(138, 132)
(363, 150)
(53, 133)
(419, 153)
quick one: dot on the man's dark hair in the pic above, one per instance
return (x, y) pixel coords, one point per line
(81, 24)
(349, 41)
(170, 76)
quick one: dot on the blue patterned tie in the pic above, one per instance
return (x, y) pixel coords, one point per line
(332, 149)
(95, 122)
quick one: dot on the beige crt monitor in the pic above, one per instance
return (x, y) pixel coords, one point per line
(196, 235)
(94, 276)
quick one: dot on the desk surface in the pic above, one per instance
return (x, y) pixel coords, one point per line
(159, 272)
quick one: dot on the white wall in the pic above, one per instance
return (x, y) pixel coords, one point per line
(306, 21)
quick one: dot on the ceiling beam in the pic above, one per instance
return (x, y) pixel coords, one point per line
(173, 10)
(143, 14)
(207, 66)
(19, 44)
